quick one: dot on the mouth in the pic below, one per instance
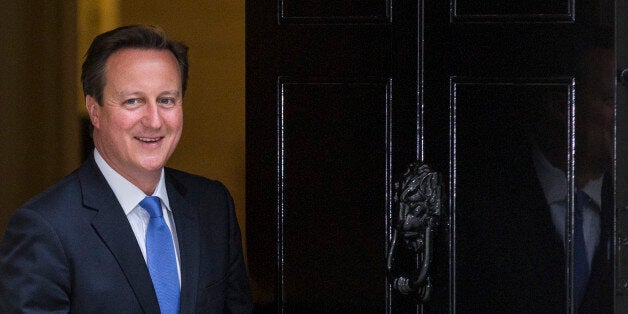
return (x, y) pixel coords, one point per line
(149, 139)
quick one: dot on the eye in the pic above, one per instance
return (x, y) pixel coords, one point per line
(132, 101)
(166, 101)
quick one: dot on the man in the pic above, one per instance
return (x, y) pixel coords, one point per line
(514, 207)
(593, 276)
(122, 233)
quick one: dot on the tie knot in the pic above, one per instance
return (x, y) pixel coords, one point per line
(152, 205)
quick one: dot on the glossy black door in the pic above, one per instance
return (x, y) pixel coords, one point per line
(621, 101)
(507, 100)
(324, 136)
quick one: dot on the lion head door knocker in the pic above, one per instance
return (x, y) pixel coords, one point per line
(418, 202)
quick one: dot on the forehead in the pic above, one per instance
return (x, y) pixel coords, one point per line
(130, 60)
(598, 70)
(132, 54)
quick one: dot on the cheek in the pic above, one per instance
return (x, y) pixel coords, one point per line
(602, 118)
(175, 121)
(123, 122)
(597, 116)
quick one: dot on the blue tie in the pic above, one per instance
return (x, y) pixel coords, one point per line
(581, 263)
(160, 256)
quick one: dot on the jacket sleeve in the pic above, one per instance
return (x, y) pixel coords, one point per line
(34, 274)
(238, 296)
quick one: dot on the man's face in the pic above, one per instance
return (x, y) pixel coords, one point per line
(138, 126)
(594, 112)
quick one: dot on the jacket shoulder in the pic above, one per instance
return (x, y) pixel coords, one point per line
(63, 193)
(187, 182)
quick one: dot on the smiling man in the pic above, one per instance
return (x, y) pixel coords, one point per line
(139, 123)
(123, 233)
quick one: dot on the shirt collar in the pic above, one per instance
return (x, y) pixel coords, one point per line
(594, 190)
(554, 182)
(129, 195)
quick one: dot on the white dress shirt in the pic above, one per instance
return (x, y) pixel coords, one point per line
(129, 196)
(554, 183)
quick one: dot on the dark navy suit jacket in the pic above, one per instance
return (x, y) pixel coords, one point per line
(71, 249)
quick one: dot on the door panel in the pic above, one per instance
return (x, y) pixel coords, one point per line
(494, 95)
(506, 248)
(331, 238)
(507, 11)
(334, 12)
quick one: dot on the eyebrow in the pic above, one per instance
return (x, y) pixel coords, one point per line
(170, 92)
(125, 93)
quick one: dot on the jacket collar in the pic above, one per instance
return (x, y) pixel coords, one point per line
(111, 224)
(113, 228)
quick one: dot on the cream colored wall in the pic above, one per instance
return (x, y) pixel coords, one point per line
(93, 17)
(39, 124)
(212, 143)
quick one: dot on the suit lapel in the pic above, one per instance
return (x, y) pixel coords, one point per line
(186, 221)
(113, 228)
(599, 294)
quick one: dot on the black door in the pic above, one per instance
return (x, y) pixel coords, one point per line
(621, 100)
(510, 101)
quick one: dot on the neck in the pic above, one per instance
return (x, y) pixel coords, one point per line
(144, 180)
(586, 170)
(147, 185)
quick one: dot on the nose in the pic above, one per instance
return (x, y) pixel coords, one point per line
(152, 116)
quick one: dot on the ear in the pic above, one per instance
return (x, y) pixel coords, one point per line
(93, 109)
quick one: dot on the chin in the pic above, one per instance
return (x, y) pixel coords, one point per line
(152, 165)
